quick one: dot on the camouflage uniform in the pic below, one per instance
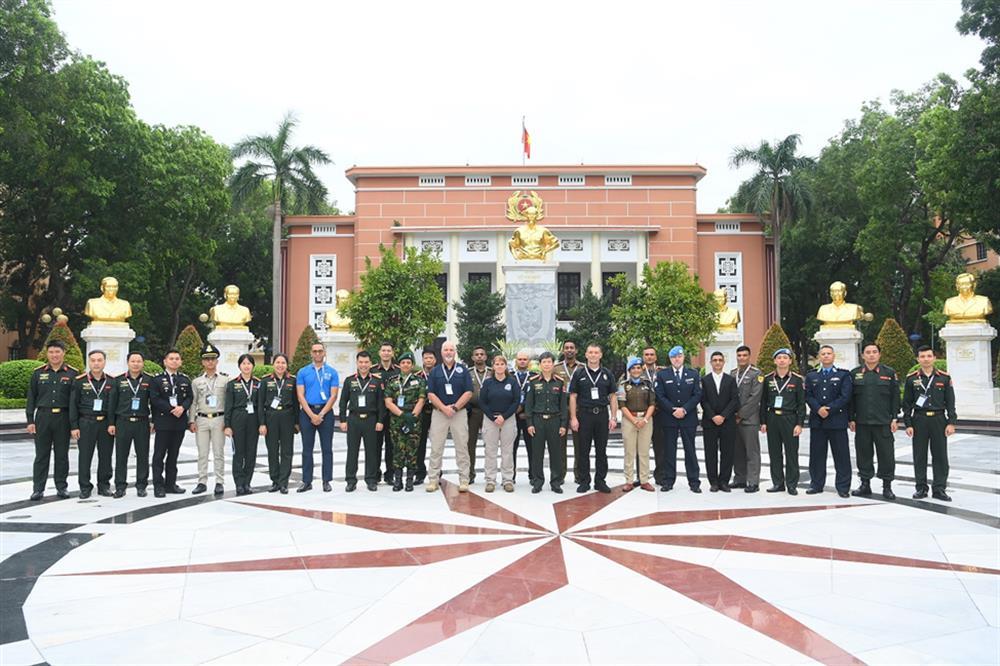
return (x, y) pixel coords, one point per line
(412, 389)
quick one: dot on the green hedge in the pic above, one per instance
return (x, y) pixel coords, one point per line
(939, 364)
(13, 403)
(262, 369)
(74, 355)
(151, 368)
(15, 377)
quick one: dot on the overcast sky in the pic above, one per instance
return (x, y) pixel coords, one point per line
(435, 83)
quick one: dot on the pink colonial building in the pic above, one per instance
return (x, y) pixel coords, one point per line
(610, 219)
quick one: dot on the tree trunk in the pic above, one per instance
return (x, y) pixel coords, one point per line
(777, 262)
(276, 323)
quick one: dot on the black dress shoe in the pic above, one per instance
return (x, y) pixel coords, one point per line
(408, 486)
(159, 492)
(724, 487)
(327, 487)
(247, 490)
(583, 487)
(535, 490)
(84, 494)
(372, 487)
(696, 489)
(792, 490)
(864, 490)
(105, 492)
(351, 486)
(274, 488)
(176, 490)
(557, 490)
(283, 490)
(602, 488)
(36, 496)
(941, 495)
(739, 484)
(713, 488)
(219, 489)
(751, 488)
(199, 489)
(239, 491)
(141, 492)
(920, 494)
(843, 493)
(888, 494)
(62, 494)
(419, 480)
(666, 488)
(776, 489)
(118, 494)
(814, 491)
(305, 487)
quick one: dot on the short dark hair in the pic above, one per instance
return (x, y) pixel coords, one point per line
(647, 347)
(277, 356)
(317, 343)
(546, 354)
(595, 345)
(56, 343)
(871, 344)
(742, 348)
(171, 351)
(830, 347)
(923, 348)
(568, 341)
(97, 351)
(477, 347)
(717, 353)
(245, 357)
(363, 354)
(134, 353)
(386, 344)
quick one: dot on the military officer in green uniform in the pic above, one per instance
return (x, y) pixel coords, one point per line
(129, 411)
(929, 415)
(362, 415)
(279, 410)
(90, 399)
(405, 395)
(874, 406)
(47, 410)
(782, 416)
(242, 422)
(546, 407)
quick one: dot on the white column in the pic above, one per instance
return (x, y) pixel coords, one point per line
(596, 283)
(454, 283)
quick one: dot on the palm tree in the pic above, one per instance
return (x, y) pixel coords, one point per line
(776, 190)
(290, 173)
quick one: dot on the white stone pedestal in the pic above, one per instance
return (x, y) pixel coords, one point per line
(341, 350)
(232, 344)
(967, 349)
(113, 341)
(845, 342)
(530, 291)
(725, 342)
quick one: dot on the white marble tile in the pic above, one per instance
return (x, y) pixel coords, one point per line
(20, 653)
(270, 619)
(318, 633)
(534, 645)
(15, 542)
(209, 592)
(266, 652)
(647, 642)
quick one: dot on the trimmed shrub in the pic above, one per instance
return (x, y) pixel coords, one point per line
(301, 357)
(262, 369)
(74, 357)
(896, 350)
(189, 344)
(939, 364)
(13, 403)
(151, 368)
(15, 377)
(774, 339)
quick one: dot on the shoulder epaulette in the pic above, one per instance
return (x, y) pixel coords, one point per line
(269, 375)
(71, 368)
(81, 375)
(915, 372)
(796, 374)
(224, 374)
(291, 376)
(942, 372)
(181, 374)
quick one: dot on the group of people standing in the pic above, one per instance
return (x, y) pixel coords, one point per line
(394, 408)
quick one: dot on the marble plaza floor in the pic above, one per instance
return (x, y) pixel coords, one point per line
(327, 578)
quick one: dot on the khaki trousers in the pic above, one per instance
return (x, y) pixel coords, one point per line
(501, 437)
(637, 440)
(210, 436)
(441, 426)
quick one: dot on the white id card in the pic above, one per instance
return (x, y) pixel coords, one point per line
(249, 408)
(322, 395)
(594, 395)
(212, 400)
(135, 404)
(448, 390)
(400, 401)
(275, 403)
(922, 400)
(778, 402)
(362, 401)
(173, 401)
(98, 404)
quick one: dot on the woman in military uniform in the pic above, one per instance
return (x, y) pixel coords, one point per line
(279, 413)
(404, 398)
(242, 423)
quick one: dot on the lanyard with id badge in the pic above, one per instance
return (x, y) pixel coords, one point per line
(320, 376)
(448, 390)
(401, 399)
(211, 399)
(276, 401)
(779, 400)
(594, 393)
(135, 392)
(98, 401)
(249, 392)
(363, 397)
(173, 390)
(923, 397)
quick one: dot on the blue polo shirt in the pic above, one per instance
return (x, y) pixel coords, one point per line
(317, 382)
(458, 377)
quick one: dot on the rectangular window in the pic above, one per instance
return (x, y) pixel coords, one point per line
(482, 277)
(617, 181)
(980, 251)
(431, 181)
(524, 181)
(478, 181)
(608, 289)
(442, 282)
(572, 180)
(568, 293)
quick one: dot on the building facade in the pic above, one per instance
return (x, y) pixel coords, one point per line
(609, 220)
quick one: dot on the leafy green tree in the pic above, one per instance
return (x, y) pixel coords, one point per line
(777, 190)
(896, 350)
(774, 339)
(189, 344)
(478, 318)
(982, 17)
(399, 300)
(74, 357)
(271, 157)
(301, 358)
(668, 308)
(591, 318)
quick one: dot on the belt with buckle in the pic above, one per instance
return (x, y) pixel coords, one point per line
(547, 416)
(362, 415)
(316, 408)
(54, 410)
(95, 417)
(931, 413)
(597, 410)
(134, 419)
(210, 415)
(777, 411)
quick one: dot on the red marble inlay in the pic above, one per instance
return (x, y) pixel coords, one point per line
(472, 504)
(675, 517)
(769, 547)
(395, 557)
(382, 523)
(573, 511)
(509, 588)
(714, 590)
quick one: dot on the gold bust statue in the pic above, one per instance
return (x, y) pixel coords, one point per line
(531, 240)
(230, 315)
(839, 313)
(333, 319)
(108, 309)
(729, 318)
(967, 307)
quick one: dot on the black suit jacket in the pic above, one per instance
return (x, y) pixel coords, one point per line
(723, 402)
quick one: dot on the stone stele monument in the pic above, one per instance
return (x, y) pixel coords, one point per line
(109, 330)
(967, 337)
(530, 274)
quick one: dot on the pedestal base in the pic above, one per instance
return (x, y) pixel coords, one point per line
(113, 341)
(725, 342)
(845, 342)
(530, 293)
(967, 349)
(232, 344)
(341, 349)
